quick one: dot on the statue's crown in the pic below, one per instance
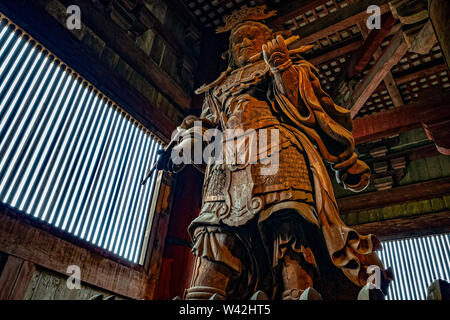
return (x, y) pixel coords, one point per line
(245, 14)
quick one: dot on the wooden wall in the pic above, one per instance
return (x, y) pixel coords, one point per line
(30, 248)
(23, 280)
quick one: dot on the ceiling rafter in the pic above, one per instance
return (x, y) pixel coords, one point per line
(390, 57)
(337, 21)
(292, 9)
(339, 36)
(407, 117)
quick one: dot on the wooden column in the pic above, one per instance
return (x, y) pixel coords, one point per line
(439, 12)
(177, 261)
(15, 278)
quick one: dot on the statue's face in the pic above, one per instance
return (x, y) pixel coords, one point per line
(246, 41)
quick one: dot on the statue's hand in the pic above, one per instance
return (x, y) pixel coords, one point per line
(188, 122)
(165, 162)
(191, 120)
(275, 52)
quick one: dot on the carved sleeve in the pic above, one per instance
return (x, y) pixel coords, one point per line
(287, 82)
(210, 112)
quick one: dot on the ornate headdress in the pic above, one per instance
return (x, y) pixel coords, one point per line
(245, 14)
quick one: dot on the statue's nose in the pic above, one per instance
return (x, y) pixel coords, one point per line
(246, 42)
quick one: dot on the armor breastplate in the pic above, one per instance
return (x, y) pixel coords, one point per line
(236, 192)
(240, 79)
(242, 96)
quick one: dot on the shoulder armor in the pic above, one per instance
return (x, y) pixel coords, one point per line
(206, 87)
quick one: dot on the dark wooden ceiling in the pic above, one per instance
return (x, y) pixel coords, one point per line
(337, 29)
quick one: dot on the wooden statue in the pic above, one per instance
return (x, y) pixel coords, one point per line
(279, 233)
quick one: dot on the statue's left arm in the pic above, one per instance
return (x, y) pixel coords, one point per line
(299, 96)
(285, 76)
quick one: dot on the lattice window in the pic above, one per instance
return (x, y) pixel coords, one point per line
(416, 263)
(69, 155)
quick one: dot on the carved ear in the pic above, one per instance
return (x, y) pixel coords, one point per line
(225, 55)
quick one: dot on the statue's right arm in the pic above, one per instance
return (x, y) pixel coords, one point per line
(207, 117)
(183, 139)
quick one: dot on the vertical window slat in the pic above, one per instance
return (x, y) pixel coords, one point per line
(68, 155)
(416, 263)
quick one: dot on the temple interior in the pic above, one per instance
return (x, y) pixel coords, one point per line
(91, 91)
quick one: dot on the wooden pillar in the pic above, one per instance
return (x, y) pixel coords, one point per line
(177, 261)
(439, 12)
(15, 278)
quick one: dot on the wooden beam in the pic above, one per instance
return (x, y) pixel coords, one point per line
(407, 117)
(9, 276)
(439, 12)
(291, 9)
(15, 278)
(414, 226)
(438, 131)
(390, 57)
(184, 13)
(391, 86)
(23, 280)
(337, 21)
(65, 46)
(361, 58)
(424, 40)
(373, 41)
(20, 238)
(146, 17)
(378, 199)
(122, 44)
(338, 52)
(421, 151)
(421, 74)
(388, 80)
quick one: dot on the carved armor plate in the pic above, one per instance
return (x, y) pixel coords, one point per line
(241, 206)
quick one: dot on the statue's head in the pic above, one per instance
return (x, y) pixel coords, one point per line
(246, 40)
(247, 34)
